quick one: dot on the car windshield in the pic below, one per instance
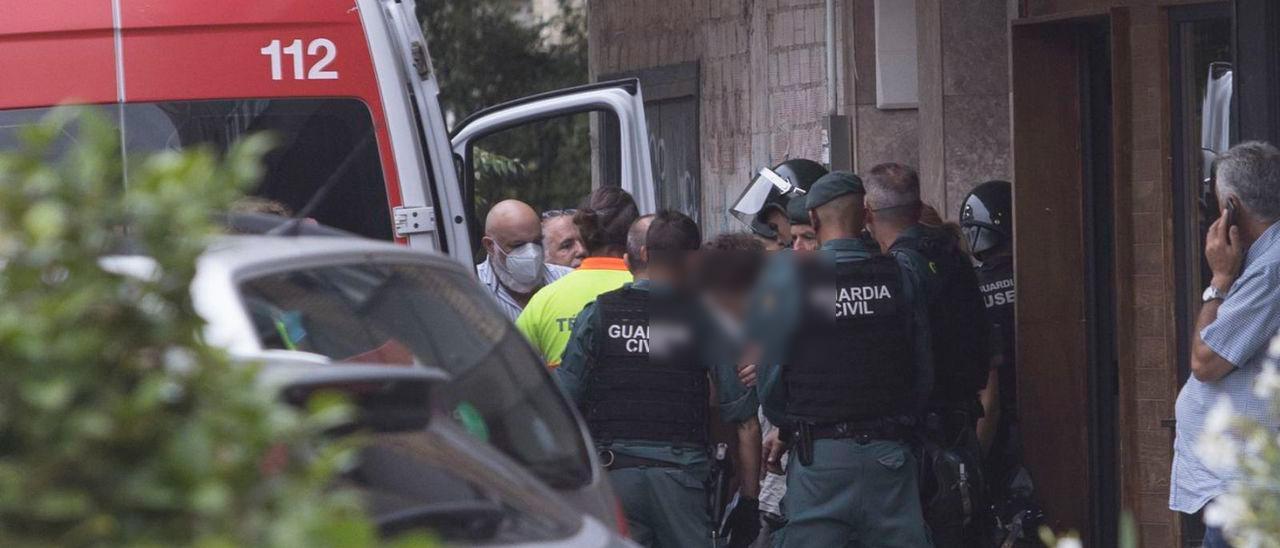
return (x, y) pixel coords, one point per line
(318, 140)
(407, 314)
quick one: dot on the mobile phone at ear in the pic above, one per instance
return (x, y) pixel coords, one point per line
(1231, 212)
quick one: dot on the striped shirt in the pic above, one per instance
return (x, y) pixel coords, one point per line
(1248, 318)
(510, 307)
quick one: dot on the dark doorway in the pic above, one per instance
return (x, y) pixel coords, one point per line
(1099, 238)
(671, 112)
(1064, 189)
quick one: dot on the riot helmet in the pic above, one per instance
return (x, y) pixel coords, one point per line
(987, 216)
(771, 189)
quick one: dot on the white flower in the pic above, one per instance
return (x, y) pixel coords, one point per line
(1218, 452)
(1219, 419)
(1273, 349)
(1268, 382)
(1225, 511)
(1069, 542)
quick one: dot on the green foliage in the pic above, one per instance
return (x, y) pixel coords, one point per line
(119, 425)
(485, 52)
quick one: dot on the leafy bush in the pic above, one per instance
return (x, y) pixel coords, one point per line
(1248, 452)
(118, 424)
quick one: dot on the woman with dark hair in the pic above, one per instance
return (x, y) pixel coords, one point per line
(604, 220)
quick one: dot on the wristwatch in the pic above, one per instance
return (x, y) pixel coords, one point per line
(1211, 293)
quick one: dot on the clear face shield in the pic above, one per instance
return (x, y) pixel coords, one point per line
(766, 189)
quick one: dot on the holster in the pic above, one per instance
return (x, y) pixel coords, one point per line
(803, 438)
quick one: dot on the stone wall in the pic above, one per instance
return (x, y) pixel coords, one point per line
(761, 77)
(964, 98)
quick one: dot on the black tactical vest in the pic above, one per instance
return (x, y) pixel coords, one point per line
(632, 395)
(857, 364)
(995, 278)
(957, 318)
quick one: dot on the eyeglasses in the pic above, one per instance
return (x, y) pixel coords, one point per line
(554, 213)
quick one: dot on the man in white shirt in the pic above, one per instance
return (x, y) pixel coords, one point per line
(514, 267)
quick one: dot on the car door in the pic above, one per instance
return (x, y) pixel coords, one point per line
(489, 144)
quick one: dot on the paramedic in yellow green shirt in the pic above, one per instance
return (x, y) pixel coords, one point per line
(610, 225)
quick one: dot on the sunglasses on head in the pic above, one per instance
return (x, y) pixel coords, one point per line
(553, 213)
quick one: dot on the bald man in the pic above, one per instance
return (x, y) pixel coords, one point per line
(514, 267)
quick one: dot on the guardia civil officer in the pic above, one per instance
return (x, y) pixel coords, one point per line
(953, 491)
(844, 372)
(638, 367)
(762, 206)
(986, 216)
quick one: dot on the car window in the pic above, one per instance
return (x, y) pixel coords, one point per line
(409, 314)
(422, 479)
(318, 140)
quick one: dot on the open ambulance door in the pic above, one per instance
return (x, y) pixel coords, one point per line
(433, 215)
(619, 147)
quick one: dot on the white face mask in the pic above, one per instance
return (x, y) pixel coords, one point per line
(521, 269)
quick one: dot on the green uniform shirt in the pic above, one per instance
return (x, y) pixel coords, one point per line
(548, 319)
(776, 308)
(737, 403)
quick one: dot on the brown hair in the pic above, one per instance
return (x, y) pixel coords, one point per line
(603, 220)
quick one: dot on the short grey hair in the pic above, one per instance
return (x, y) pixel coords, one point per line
(1251, 171)
(892, 185)
(637, 237)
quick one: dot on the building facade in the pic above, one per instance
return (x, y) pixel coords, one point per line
(1093, 108)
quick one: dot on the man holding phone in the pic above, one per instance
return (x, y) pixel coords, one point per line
(1239, 317)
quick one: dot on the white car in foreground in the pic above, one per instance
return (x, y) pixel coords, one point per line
(471, 437)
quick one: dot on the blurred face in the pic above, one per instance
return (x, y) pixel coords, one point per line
(804, 238)
(562, 243)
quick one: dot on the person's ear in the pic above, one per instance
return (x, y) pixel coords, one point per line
(813, 219)
(489, 245)
(644, 254)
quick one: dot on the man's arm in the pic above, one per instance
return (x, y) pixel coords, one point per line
(574, 367)
(1224, 253)
(772, 315)
(915, 295)
(990, 396)
(1207, 365)
(748, 462)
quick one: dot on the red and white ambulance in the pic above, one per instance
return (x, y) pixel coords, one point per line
(347, 85)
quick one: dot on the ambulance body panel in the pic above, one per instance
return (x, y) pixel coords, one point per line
(239, 59)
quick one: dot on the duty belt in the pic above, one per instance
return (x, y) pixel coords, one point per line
(612, 460)
(863, 432)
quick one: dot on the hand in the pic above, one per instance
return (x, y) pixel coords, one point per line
(1224, 252)
(747, 366)
(772, 451)
(743, 523)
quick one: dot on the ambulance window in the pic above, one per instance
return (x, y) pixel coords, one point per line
(319, 142)
(548, 164)
(13, 121)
